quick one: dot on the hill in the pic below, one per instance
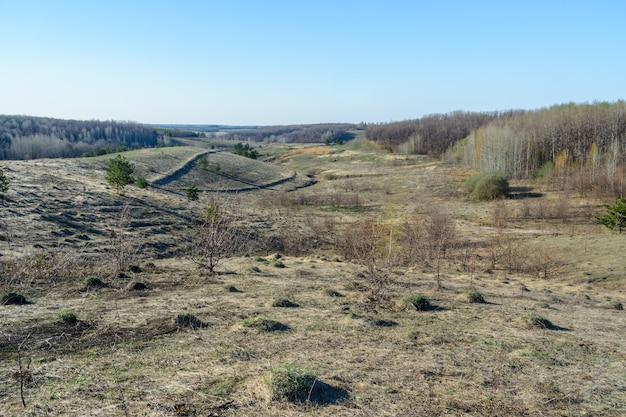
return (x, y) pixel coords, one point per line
(319, 311)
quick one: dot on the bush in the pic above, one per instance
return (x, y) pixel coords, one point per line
(418, 302)
(486, 186)
(475, 297)
(4, 182)
(141, 182)
(192, 192)
(279, 264)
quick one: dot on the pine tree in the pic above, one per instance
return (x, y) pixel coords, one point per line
(615, 216)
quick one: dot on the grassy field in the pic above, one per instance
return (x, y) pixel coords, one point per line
(289, 326)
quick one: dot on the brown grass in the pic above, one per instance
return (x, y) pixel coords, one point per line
(127, 355)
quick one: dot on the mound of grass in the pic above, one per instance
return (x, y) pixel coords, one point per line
(284, 302)
(263, 324)
(279, 264)
(93, 281)
(232, 288)
(68, 317)
(534, 320)
(189, 320)
(297, 385)
(136, 286)
(13, 298)
(255, 269)
(417, 302)
(486, 186)
(475, 297)
(332, 293)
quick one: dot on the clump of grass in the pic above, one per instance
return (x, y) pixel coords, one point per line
(279, 264)
(283, 302)
(534, 320)
(93, 281)
(332, 293)
(13, 298)
(135, 269)
(475, 297)
(189, 320)
(417, 302)
(263, 324)
(297, 385)
(232, 288)
(255, 268)
(68, 317)
(291, 384)
(616, 304)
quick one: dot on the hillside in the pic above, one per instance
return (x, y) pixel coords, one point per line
(322, 285)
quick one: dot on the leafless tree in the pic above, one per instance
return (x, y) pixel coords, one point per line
(216, 236)
(440, 233)
(369, 242)
(23, 374)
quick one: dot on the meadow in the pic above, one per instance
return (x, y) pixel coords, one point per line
(520, 314)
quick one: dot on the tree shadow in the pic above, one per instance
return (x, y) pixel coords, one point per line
(519, 193)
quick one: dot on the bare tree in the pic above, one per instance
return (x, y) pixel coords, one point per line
(440, 233)
(216, 236)
(367, 242)
(23, 375)
(122, 243)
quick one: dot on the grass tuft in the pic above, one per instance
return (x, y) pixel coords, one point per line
(475, 297)
(417, 302)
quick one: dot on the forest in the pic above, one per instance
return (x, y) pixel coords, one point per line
(579, 146)
(313, 133)
(26, 137)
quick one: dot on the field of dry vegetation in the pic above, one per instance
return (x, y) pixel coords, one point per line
(362, 283)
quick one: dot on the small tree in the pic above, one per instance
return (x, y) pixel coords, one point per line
(119, 172)
(615, 216)
(192, 192)
(4, 182)
(366, 242)
(216, 237)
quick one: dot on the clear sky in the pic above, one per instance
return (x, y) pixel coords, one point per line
(305, 61)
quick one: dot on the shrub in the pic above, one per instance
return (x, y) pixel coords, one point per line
(279, 264)
(475, 297)
(616, 304)
(418, 302)
(192, 192)
(141, 182)
(4, 182)
(255, 268)
(13, 298)
(486, 186)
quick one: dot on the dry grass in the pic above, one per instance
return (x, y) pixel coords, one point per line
(130, 353)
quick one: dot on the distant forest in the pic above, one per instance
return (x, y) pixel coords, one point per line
(26, 137)
(578, 146)
(315, 133)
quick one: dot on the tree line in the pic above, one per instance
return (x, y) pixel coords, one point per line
(313, 133)
(432, 134)
(27, 137)
(579, 146)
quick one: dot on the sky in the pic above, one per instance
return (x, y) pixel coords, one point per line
(245, 62)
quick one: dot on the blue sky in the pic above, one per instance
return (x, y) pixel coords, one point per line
(283, 62)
